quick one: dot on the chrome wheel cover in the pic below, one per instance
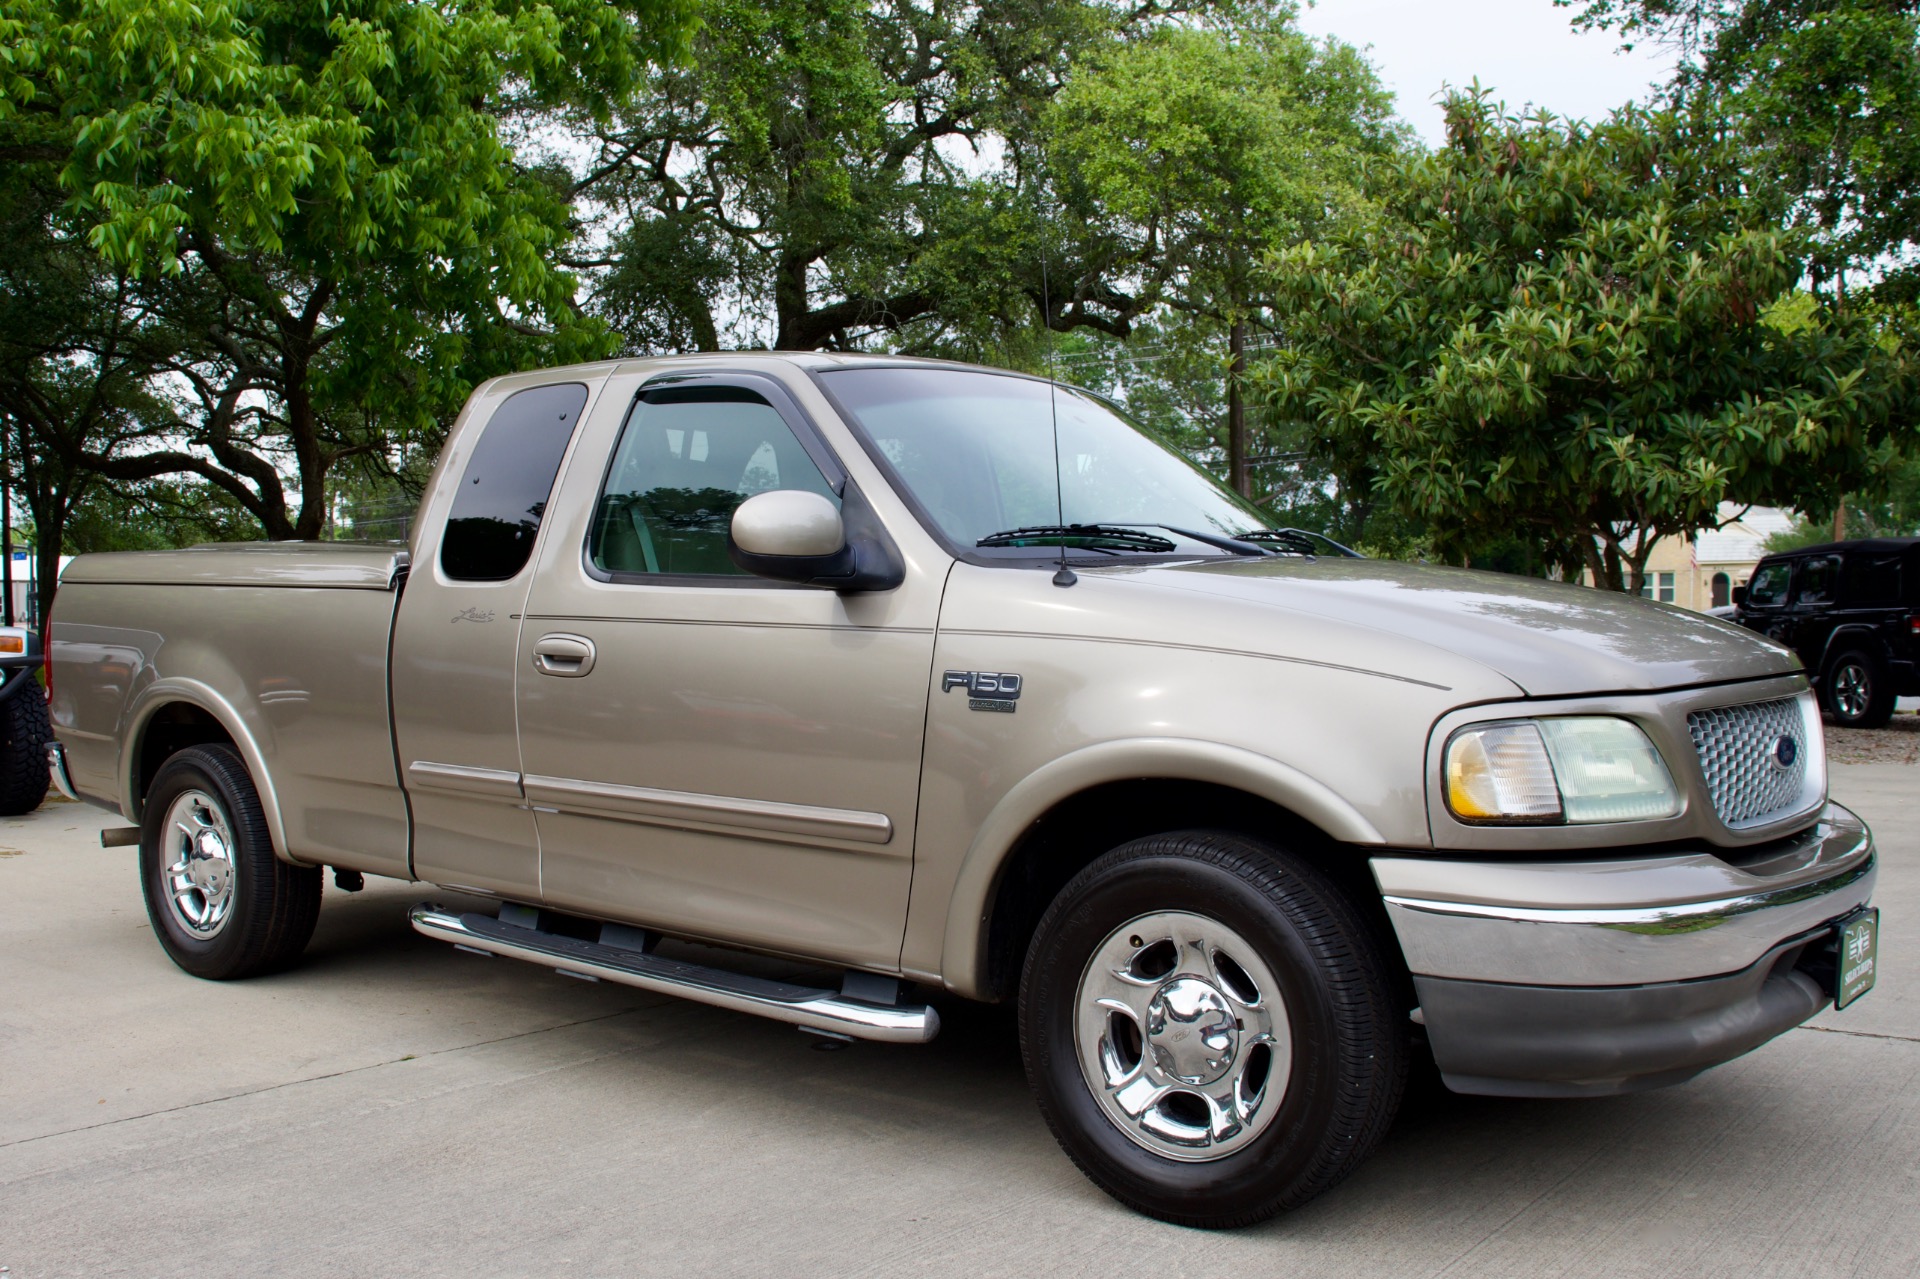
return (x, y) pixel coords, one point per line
(196, 856)
(1852, 690)
(1182, 1036)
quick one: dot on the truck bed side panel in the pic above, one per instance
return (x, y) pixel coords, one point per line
(297, 674)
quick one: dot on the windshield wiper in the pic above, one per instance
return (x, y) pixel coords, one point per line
(1238, 545)
(1092, 537)
(1300, 542)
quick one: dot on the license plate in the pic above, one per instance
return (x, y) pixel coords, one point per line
(1859, 939)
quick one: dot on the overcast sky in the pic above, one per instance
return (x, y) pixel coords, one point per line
(1525, 50)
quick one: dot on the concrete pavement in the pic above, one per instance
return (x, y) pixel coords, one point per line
(395, 1107)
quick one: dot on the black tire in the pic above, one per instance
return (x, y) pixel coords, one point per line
(271, 906)
(24, 734)
(1350, 1045)
(1856, 690)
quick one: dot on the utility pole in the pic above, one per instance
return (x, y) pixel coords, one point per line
(6, 535)
(1239, 476)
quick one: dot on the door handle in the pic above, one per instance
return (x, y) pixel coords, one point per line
(569, 656)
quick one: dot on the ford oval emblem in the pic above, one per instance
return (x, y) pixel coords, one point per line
(1785, 752)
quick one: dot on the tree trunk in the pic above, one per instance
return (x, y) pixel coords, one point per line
(1238, 473)
(1840, 519)
(50, 536)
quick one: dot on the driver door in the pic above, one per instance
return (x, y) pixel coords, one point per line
(707, 752)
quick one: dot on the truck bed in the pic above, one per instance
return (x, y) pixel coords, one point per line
(282, 647)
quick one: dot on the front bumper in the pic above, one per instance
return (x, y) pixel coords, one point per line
(1577, 978)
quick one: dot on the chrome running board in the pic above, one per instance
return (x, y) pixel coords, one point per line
(809, 1007)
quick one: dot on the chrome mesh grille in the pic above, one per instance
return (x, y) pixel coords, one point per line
(1737, 747)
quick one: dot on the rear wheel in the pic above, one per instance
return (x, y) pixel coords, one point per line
(222, 905)
(24, 734)
(1210, 1029)
(1856, 690)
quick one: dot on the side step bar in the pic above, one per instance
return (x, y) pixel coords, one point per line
(807, 1006)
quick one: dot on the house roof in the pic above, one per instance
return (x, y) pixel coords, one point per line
(1745, 540)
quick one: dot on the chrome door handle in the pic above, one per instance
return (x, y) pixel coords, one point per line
(570, 656)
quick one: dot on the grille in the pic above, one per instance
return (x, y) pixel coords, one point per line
(1737, 747)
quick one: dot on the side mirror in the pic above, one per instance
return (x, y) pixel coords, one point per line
(788, 524)
(1739, 596)
(790, 535)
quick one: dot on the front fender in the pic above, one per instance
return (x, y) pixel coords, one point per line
(964, 953)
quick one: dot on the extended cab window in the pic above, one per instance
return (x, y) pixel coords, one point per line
(1768, 589)
(687, 458)
(503, 494)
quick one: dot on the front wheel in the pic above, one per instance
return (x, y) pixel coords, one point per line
(1209, 1029)
(221, 903)
(1857, 693)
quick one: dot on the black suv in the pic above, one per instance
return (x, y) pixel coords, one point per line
(1851, 610)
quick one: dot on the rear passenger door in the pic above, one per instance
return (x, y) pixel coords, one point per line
(1816, 589)
(456, 640)
(710, 752)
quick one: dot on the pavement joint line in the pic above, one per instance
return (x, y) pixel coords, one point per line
(1862, 1034)
(314, 1079)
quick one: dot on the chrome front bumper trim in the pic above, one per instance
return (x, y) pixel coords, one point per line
(1624, 921)
(805, 1006)
(57, 771)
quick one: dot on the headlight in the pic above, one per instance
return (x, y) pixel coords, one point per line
(1579, 769)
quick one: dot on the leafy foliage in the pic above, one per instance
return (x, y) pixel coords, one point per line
(1824, 93)
(1559, 329)
(1193, 153)
(320, 208)
(832, 173)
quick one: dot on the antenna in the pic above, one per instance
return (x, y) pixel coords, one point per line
(1064, 576)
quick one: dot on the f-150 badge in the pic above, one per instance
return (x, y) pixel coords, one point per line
(986, 690)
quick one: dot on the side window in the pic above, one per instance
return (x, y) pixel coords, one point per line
(1815, 582)
(686, 459)
(496, 514)
(1870, 581)
(1768, 589)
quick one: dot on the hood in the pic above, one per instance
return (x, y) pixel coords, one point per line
(1550, 638)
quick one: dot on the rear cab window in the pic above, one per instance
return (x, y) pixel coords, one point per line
(504, 490)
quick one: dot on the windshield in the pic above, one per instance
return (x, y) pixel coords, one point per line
(977, 451)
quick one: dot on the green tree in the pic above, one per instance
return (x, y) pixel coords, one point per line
(1559, 329)
(840, 173)
(1826, 93)
(73, 370)
(1198, 151)
(322, 206)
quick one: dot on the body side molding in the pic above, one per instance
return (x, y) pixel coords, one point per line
(646, 804)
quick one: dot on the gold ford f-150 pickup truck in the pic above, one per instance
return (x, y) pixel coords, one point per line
(946, 679)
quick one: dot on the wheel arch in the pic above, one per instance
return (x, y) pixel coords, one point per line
(1078, 806)
(1845, 637)
(174, 713)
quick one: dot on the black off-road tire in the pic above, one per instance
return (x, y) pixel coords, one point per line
(1856, 690)
(24, 734)
(1350, 1044)
(274, 905)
